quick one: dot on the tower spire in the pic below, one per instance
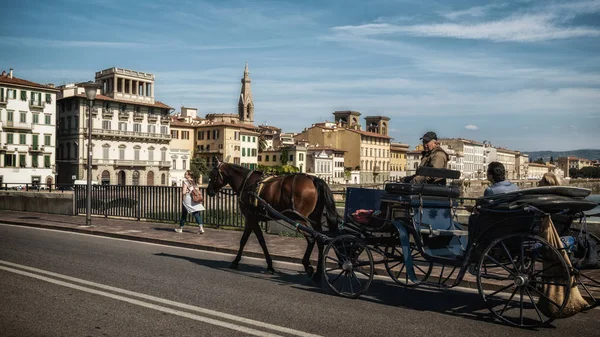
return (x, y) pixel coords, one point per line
(245, 104)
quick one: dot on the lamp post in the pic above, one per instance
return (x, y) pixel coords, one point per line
(90, 93)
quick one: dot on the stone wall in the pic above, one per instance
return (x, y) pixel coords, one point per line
(55, 203)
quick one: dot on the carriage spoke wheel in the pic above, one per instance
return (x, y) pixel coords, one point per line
(527, 281)
(348, 266)
(394, 265)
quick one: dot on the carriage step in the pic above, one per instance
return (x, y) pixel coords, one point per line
(444, 232)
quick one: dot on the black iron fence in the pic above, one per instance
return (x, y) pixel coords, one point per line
(160, 203)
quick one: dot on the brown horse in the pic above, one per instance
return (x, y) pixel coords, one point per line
(299, 196)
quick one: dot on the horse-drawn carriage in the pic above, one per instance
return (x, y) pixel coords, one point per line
(512, 244)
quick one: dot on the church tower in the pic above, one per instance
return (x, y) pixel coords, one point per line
(246, 105)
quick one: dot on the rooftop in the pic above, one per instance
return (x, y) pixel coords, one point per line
(7, 78)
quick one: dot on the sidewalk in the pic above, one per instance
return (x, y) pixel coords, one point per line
(281, 248)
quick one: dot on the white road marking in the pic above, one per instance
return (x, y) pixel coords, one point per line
(159, 300)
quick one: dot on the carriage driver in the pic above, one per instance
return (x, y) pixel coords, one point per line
(433, 156)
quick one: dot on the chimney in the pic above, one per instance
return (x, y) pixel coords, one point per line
(10, 73)
(3, 73)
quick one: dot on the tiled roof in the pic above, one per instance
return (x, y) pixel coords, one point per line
(157, 104)
(247, 127)
(370, 134)
(24, 83)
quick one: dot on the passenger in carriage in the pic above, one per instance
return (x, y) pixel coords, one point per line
(497, 175)
(549, 179)
(433, 156)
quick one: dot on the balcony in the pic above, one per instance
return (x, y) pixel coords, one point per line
(164, 164)
(198, 150)
(152, 117)
(35, 104)
(123, 115)
(107, 113)
(129, 134)
(36, 148)
(138, 116)
(165, 120)
(17, 125)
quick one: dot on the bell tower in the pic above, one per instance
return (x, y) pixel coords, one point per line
(347, 119)
(378, 124)
(245, 104)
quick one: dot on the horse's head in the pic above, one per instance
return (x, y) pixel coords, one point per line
(216, 179)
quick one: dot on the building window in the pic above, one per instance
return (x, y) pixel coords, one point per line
(151, 154)
(47, 140)
(23, 117)
(135, 178)
(47, 161)
(151, 128)
(106, 125)
(34, 160)
(243, 138)
(24, 95)
(36, 118)
(10, 115)
(22, 160)
(163, 130)
(48, 120)
(243, 152)
(163, 155)
(301, 156)
(22, 139)
(9, 138)
(174, 134)
(215, 134)
(184, 164)
(137, 127)
(267, 157)
(254, 152)
(259, 158)
(122, 126)
(185, 135)
(9, 160)
(136, 154)
(122, 153)
(174, 164)
(200, 135)
(208, 135)
(105, 152)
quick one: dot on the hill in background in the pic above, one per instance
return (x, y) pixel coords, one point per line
(591, 154)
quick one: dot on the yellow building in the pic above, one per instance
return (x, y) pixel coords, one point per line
(368, 151)
(273, 157)
(398, 153)
(182, 143)
(223, 140)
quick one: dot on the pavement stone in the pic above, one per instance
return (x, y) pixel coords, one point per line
(281, 248)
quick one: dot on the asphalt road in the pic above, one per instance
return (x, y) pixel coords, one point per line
(56, 283)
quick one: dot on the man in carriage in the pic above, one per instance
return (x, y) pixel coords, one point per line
(432, 156)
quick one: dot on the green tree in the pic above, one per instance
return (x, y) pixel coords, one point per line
(285, 156)
(573, 172)
(199, 168)
(540, 160)
(551, 160)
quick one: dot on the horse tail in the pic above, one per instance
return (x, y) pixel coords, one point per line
(326, 197)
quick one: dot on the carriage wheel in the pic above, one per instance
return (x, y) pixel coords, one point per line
(528, 277)
(394, 265)
(348, 266)
(587, 285)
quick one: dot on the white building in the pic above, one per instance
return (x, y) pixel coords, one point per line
(472, 153)
(249, 146)
(413, 159)
(27, 131)
(326, 163)
(508, 158)
(130, 131)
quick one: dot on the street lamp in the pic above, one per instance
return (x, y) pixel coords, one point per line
(90, 93)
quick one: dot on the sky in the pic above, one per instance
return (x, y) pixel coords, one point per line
(519, 74)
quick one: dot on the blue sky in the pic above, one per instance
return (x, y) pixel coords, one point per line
(521, 74)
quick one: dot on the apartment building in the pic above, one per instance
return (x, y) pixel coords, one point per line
(181, 150)
(472, 153)
(27, 131)
(536, 171)
(398, 162)
(130, 131)
(413, 159)
(326, 163)
(508, 158)
(367, 151)
(522, 165)
(296, 156)
(567, 163)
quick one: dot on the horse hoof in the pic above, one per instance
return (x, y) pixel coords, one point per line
(310, 271)
(233, 265)
(270, 271)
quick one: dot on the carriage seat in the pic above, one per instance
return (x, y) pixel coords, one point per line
(452, 191)
(549, 203)
(415, 200)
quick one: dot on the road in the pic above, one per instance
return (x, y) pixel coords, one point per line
(55, 283)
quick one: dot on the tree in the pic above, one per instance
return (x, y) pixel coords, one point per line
(199, 168)
(573, 172)
(540, 161)
(285, 156)
(551, 160)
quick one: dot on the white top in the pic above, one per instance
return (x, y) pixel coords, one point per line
(189, 204)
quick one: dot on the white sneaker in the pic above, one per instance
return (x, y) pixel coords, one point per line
(201, 230)
(179, 230)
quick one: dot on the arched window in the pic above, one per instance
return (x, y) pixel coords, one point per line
(150, 179)
(105, 178)
(135, 178)
(121, 178)
(163, 179)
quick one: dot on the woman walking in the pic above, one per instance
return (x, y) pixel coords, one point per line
(189, 205)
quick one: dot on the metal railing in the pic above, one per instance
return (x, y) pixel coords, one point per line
(134, 134)
(161, 203)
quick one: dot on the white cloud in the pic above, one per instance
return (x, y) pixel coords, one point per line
(471, 127)
(477, 11)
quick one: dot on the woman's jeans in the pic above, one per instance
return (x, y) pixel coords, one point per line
(184, 214)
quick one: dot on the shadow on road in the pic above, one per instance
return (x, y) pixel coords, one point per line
(453, 302)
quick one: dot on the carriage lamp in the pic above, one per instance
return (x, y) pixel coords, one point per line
(90, 92)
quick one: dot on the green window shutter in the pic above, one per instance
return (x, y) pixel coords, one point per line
(9, 138)
(23, 95)
(22, 161)
(47, 161)
(1, 94)
(32, 96)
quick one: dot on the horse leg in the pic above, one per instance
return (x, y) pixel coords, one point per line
(243, 240)
(261, 240)
(310, 244)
